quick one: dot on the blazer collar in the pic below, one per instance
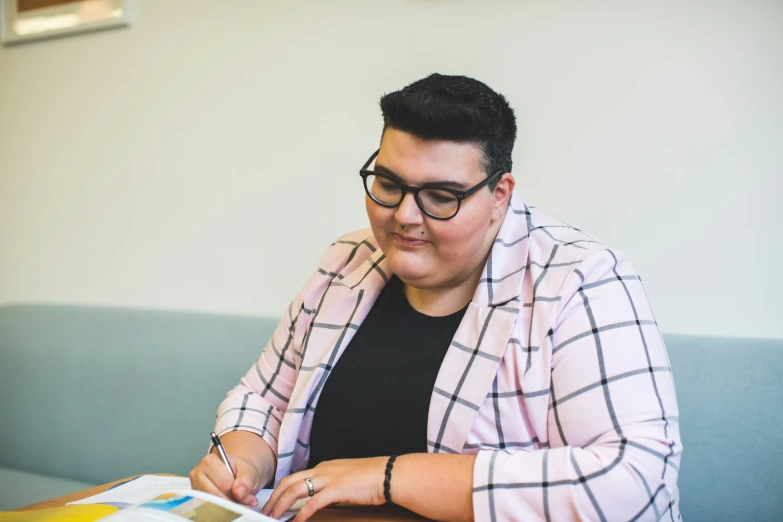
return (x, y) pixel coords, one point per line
(371, 275)
(504, 271)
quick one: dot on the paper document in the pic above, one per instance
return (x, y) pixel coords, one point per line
(146, 487)
(187, 506)
(137, 490)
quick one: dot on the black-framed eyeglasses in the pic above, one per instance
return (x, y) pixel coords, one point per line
(436, 202)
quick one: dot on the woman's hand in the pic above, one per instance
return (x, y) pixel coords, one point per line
(212, 476)
(359, 481)
(253, 461)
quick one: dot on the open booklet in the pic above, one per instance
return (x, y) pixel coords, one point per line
(187, 504)
(157, 497)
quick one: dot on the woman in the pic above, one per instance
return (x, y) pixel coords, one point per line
(511, 361)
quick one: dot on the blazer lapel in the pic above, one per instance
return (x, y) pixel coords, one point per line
(471, 363)
(335, 319)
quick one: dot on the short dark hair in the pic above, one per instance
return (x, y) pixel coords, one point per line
(455, 108)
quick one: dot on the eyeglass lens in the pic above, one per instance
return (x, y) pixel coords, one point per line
(387, 192)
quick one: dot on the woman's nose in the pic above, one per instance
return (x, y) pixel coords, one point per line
(408, 213)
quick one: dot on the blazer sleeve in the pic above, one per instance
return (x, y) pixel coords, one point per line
(613, 444)
(260, 400)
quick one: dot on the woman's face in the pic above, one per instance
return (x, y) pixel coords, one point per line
(431, 253)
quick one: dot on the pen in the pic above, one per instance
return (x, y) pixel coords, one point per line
(222, 452)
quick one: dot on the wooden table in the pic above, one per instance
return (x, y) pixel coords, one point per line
(335, 513)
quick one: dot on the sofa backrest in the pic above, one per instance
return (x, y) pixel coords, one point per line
(730, 395)
(97, 394)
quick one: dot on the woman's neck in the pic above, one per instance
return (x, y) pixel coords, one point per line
(437, 302)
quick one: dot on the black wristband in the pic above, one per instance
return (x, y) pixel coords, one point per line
(387, 481)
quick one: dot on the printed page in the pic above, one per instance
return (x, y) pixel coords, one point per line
(146, 487)
(195, 506)
(137, 490)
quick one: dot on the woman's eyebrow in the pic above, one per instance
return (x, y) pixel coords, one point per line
(445, 184)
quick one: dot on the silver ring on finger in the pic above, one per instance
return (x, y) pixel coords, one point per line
(310, 487)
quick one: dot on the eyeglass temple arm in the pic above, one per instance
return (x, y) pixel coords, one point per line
(481, 185)
(374, 155)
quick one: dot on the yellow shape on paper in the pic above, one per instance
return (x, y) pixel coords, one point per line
(76, 513)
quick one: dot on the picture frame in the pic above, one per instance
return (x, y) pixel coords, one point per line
(27, 20)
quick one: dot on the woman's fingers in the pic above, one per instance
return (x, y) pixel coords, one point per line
(211, 476)
(290, 489)
(320, 500)
(205, 484)
(247, 482)
(279, 490)
(288, 498)
(250, 500)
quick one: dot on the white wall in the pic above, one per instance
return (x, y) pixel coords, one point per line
(204, 158)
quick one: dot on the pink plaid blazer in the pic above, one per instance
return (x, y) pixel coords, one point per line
(557, 377)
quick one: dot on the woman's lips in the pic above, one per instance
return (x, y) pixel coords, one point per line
(408, 241)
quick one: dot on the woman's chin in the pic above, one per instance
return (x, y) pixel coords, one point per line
(411, 274)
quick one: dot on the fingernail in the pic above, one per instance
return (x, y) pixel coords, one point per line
(241, 491)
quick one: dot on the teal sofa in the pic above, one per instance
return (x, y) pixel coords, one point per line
(91, 395)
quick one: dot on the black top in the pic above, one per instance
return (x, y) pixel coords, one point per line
(376, 399)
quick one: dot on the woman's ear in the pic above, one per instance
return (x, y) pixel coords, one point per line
(502, 194)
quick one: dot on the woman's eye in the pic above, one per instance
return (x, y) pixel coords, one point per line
(441, 198)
